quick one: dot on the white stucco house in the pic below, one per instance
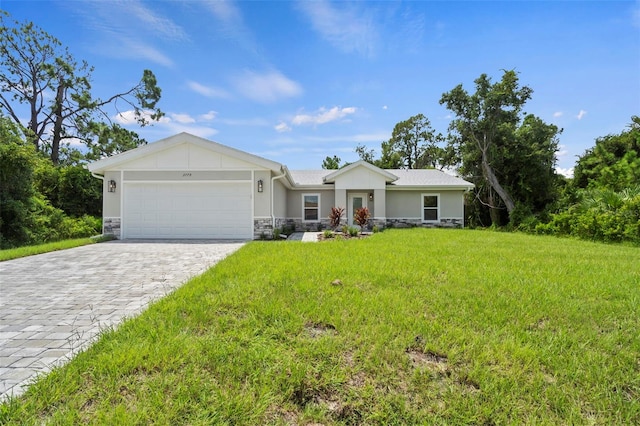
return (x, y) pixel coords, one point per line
(187, 187)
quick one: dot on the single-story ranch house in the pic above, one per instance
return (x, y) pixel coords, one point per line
(186, 187)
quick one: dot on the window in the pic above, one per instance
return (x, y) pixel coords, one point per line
(430, 207)
(311, 207)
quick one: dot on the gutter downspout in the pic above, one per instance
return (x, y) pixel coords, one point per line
(273, 179)
(97, 176)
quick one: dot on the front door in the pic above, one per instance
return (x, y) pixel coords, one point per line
(356, 201)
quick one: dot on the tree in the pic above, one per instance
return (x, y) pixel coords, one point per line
(365, 154)
(389, 159)
(36, 72)
(331, 163)
(497, 148)
(17, 162)
(416, 143)
(613, 163)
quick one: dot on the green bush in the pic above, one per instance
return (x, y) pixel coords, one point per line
(599, 215)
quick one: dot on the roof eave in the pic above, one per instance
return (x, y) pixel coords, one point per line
(102, 165)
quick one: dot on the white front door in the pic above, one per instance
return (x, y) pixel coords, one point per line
(356, 201)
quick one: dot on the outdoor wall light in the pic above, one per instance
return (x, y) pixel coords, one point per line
(112, 186)
(260, 187)
(371, 196)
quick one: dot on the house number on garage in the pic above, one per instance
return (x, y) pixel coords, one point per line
(186, 175)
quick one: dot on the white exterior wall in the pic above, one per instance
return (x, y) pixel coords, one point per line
(279, 199)
(408, 204)
(360, 178)
(294, 202)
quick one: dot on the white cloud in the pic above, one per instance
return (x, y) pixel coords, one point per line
(208, 91)
(282, 127)
(347, 28)
(225, 11)
(268, 87)
(127, 29)
(323, 116)
(558, 114)
(384, 107)
(129, 118)
(562, 151)
(136, 49)
(565, 172)
(230, 24)
(183, 118)
(173, 123)
(209, 116)
(581, 114)
(148, 19)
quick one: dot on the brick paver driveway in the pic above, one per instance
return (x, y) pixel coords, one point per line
(54, 304)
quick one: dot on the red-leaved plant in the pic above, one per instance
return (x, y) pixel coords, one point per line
(361, 217)
(335, 216)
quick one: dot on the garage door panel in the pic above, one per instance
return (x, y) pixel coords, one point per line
(187, 210)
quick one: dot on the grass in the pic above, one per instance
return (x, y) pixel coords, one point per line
(16, 253)
(423, 327)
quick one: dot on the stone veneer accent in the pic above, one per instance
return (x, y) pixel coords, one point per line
(111, 226)
(262, 228)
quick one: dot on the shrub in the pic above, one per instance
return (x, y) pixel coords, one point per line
(336, 216)
(353, 231)
(361, 217)
(328, 233)
(276, 233)
(599, 215)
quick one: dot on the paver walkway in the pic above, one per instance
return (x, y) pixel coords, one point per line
(53, 305)
(306, 237)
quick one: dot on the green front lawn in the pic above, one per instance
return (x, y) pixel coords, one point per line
(424, 327)
(15, 253)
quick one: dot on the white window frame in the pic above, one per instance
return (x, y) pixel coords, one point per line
(437, 208)
(304, 216)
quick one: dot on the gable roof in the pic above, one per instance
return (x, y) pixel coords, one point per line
(331, 177)
(414, 178)
(104, 164)
(317, 179)
(428, 177)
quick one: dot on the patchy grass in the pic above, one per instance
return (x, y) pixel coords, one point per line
(404, 327)
(16, 253)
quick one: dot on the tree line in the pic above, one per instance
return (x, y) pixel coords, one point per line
(45, 192)
(510, 156)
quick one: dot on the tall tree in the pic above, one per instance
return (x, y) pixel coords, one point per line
(613, 163)
(365, 154)
(497, 148)
(331, 163)
(39, 74)
(416, 142)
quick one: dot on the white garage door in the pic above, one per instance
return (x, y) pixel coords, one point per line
(187, 210)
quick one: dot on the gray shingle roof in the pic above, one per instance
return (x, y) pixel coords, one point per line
(418, 178)
(426, 177)
(309, 177)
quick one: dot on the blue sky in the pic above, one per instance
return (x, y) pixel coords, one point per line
(297, 81)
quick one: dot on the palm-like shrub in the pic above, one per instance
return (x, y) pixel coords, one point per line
(335, 216)
(361, 217)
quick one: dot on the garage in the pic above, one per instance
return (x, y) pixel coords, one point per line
(187, 210)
